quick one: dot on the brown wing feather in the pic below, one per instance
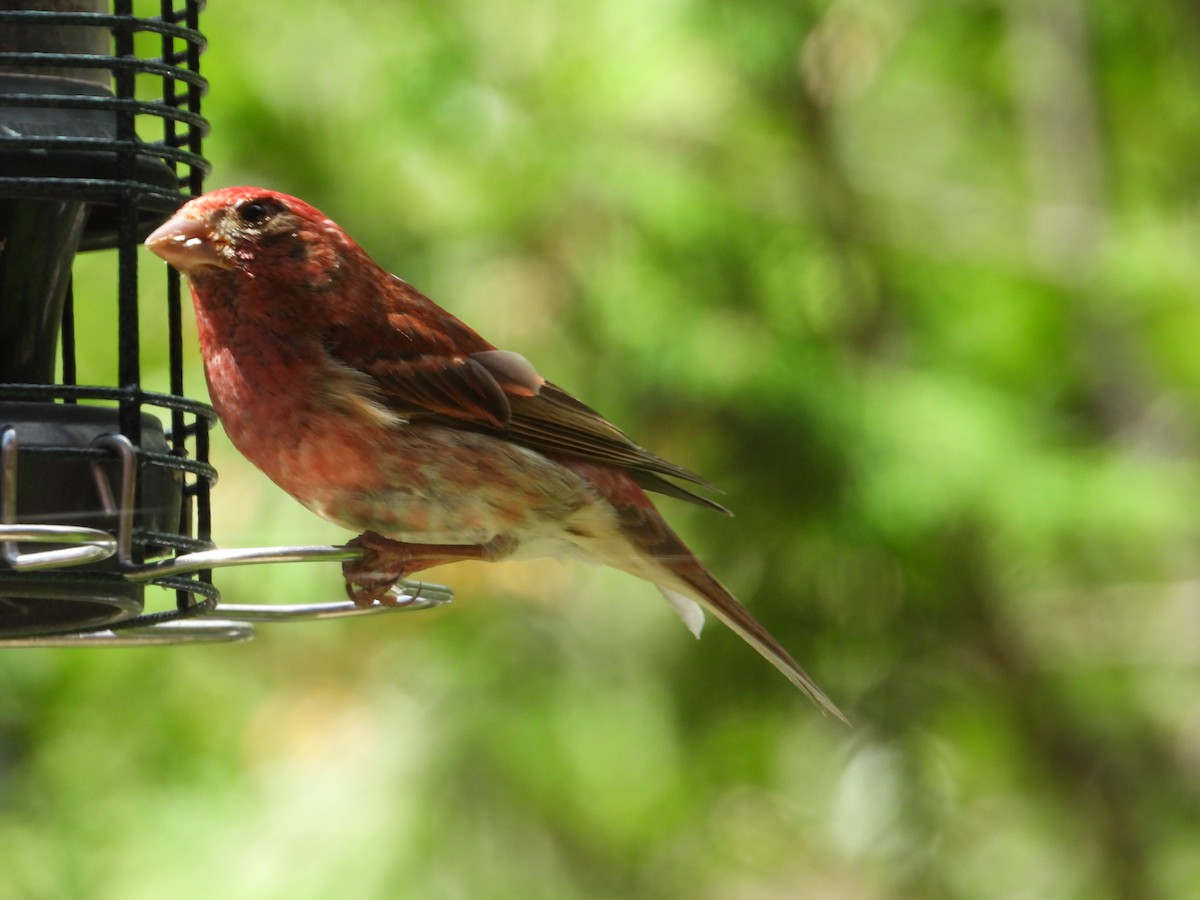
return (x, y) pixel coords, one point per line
(458, 388)
(419, 356)
(554, 421)
(435, 367)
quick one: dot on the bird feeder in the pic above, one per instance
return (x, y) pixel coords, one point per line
(105, 488)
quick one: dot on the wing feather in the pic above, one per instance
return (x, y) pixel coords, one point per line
(447, 373)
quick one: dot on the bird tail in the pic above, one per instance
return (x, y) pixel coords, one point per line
(714, 597)
(660, 556)
(689, 588)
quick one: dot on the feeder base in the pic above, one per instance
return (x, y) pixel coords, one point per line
(42, 604)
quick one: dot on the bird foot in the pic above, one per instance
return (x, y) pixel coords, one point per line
(385, 561)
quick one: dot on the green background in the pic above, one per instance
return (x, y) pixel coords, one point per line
(917, 283)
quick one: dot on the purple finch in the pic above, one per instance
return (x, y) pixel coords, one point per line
(382, 412)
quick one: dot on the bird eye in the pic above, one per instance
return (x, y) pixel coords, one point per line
(257, 211)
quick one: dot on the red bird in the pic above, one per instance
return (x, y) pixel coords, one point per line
(380, 411)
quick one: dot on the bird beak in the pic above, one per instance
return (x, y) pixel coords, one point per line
(187, 244)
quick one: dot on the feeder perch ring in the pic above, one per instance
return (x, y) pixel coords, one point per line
(207, 621)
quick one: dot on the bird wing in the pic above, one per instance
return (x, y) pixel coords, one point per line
(450, 387)
(499, 392)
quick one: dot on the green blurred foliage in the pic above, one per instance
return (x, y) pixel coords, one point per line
(915, 282)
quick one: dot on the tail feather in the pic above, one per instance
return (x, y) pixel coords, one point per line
(645, 546)
(717, 600)
(689, 588)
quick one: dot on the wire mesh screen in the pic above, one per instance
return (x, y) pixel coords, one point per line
(100, 139)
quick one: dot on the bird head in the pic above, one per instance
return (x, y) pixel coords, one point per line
(252, 231)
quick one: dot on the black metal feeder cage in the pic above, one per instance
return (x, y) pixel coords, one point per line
(104, 489)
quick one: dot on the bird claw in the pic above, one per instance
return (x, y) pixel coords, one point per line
(384, 562)
(364, 592)
(368, 579)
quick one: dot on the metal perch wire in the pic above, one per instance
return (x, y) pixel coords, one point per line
(217, 623)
